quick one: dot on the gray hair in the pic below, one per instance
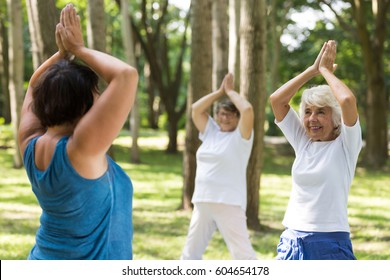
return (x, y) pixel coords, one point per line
(227, 105)
(321, 96)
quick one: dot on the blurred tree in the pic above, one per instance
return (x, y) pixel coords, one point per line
(234, 40)
(200, 84)
(16, 69)
(253, 87)
(166, 70)
(277, 22)
(96, 25)
(42, 20)
(370, 18)
(5, 106)
(128, 45)
(220, 39)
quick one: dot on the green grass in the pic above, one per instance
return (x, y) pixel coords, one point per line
(160, 228)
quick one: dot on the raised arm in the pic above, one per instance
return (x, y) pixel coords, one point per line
(30, 126)
(243, 106)
(199, 109)
(97, 129)
(280, 99)
(342, 93)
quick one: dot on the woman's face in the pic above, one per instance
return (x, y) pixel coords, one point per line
(318, 123)
(227, 120)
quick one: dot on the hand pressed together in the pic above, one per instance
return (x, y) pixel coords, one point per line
(70, 36)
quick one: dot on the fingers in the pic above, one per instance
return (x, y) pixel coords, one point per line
(324, 46)
(69, 29)
(65, 16)
(328, 57)
(319, 56)
(59, 32)
(331, 49)
(58, 27)
(58, 36)
(72, 14)
(228, 78)
(332, 46)
(62, 16)
(228, 82)
(69, 16)
(78, 24)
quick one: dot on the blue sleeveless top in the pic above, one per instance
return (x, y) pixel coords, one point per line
(81, 218)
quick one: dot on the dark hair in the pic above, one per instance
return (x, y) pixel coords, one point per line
(64, 93)
(227, 105)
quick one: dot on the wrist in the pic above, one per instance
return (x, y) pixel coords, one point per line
(325, 72)
(231, 93)
(77, 51)
(219, 92)
(312, 72)
(61, 53)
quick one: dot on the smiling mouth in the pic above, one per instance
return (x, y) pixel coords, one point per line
(315, 127)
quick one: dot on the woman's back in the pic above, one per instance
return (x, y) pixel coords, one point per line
(78, 213)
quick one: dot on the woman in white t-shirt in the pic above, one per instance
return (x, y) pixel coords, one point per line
(220, 184)
(326, 138)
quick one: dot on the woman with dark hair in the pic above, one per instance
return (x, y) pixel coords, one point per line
(327, 139)
(220, 184)
(74, 86)
(65, 131)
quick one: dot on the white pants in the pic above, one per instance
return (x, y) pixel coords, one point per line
(231, 223)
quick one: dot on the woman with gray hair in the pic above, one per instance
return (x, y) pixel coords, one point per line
(327, 141)
(220, 184)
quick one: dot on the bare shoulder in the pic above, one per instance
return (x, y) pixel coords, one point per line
(87, 166)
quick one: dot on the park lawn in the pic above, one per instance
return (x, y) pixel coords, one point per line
(160, 228)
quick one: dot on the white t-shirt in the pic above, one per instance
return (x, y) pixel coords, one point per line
(222, 159)
(322, 174)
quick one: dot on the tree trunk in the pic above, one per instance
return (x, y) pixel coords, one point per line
(234, 40)
(5, 110)
(42, 20)
(275, 33)
(16, 59)
(200, 84)
(220, 39)
(253, 50)
(154, 43)
(128, 44)
(96, 25)
(153, 98)
(372, 43)
(172, 133)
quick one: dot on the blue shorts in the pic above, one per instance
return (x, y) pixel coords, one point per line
(301, 245)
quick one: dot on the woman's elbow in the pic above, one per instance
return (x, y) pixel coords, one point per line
(194, 110)
(247, 110)
(131, 73)
(347, 101)
(272, 99)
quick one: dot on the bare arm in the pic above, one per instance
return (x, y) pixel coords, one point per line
(342, 93)
(30, 126)
(96, 130)
(281, 97)
(199, 110)
(244, 107)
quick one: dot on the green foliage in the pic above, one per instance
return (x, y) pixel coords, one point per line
(160, 228)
